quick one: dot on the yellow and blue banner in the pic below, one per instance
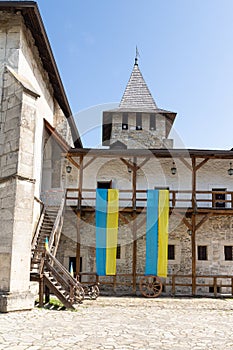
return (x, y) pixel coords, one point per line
(106, 230)
(157, 232)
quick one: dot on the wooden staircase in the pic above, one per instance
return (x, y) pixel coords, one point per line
(60, 282)
(44, 228)
(45, 268)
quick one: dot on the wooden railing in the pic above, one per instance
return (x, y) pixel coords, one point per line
(37, 231)
(173, 280)
(177, 198)
(56, 230)
(63, 277)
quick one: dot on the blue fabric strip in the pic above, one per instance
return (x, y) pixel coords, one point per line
(152, 232)
(101, 224)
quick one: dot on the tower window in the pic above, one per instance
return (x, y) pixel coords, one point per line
(202, 252)
(138, 121)
(152, 122)
(125, 121)
(228, 252)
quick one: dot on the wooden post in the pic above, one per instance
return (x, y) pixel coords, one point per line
(215, 287)
(193, 226)
(80, 186)
(134, 226)
(47, 295)
(173, 285)
(41, 292)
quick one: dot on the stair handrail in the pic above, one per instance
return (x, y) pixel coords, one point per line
(38, 226)
(57, 226)
(64, 271)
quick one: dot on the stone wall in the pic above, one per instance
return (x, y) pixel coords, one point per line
(26, 99)
(144, 138)
(215, 233)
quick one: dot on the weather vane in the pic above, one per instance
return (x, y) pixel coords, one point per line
(137, 55)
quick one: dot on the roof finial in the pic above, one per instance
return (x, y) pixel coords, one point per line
(136, 57)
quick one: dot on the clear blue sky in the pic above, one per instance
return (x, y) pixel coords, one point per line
(186, 58)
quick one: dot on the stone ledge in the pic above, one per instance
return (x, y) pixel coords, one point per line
(16, 301)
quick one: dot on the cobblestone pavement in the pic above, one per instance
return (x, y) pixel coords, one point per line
(123, 323)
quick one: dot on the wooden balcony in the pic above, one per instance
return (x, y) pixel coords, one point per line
(201, 201)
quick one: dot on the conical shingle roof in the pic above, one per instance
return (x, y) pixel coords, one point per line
(137, 95)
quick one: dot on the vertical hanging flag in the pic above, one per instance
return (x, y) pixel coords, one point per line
(163, 232)
(106, 231)
(71, 269)
(157, 232)
(112, 230)
(101, 224)
(46, 243)
(152, 232)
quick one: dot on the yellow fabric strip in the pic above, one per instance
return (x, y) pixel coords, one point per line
(112, 231)
(163, 232)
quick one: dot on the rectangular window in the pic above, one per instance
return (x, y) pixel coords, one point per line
(125, 121)
(219, 198)
(138, 121)
(152, 122)
(171, 252)
(228, 250)
(104, 184)
(202, 252)
(118, 252)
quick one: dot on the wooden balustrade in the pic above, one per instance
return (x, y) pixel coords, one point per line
(178, 198)
(173, 280)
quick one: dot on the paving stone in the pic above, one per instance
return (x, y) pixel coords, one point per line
(123, 324)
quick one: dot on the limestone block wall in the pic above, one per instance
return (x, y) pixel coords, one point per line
(26, 99)
(16, 186)
(144, 138)
(215, 234)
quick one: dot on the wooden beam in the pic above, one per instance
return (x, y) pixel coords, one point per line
(184, 220)
(123, 218)
(134, 189)
(78, 245)
(134, 265)
(202, 163)
(189, 166)
(193, 237)
(143, 221)
(203, 220)
(193, 242)
(80, 183)
(73, 161)
(127, 163)
(89, 162)
(143, 163)
(134, 183)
